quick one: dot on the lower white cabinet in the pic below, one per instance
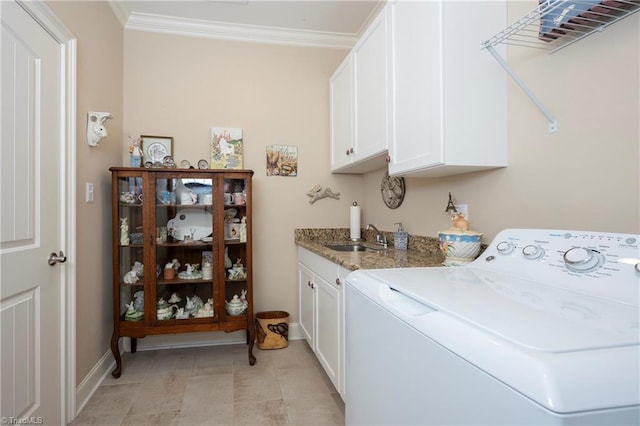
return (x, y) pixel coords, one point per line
(321, 312)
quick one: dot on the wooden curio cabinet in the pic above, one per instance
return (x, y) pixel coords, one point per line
(181, 251)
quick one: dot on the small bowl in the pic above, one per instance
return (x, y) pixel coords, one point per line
(459, 247)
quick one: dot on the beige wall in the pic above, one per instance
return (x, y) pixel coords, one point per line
(586, 176)
(182, 87)
(99, 88)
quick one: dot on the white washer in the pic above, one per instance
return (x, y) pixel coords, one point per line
(542, 328)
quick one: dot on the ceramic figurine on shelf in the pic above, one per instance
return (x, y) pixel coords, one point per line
(124, 231)
(235, 306)
(135, 153)
(138, 268)
(138, 302)
(206, 310)
(164, 310)
(237, 272)
(131, 277)
(132, 313)
(176, 264)
(175, 298)
(243, 297)
(243, 229)
(181, 314)
(193, 305)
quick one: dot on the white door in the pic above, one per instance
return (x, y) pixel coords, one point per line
(31, 334)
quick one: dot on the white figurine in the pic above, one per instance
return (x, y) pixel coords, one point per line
(193, 304)
(206, 310)
(243, 229)
(189, 271)
(176, 264)
(181, 314)
(243, 297)
(175, 298)
(124, 231)
(237, 272)
(131, 277)
(138, 268)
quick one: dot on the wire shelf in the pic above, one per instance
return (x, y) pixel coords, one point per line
(555, 24)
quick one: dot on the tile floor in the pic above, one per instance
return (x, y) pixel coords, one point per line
(216, 386)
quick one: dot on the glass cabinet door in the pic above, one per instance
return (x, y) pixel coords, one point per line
(185, 290)
(130, 249)
(236, 193)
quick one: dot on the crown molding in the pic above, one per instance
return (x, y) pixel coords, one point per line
(238, 32)
(120, 10)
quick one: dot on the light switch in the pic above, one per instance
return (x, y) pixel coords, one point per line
(88, 193)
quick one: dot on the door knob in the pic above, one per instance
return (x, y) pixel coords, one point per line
(57, 258)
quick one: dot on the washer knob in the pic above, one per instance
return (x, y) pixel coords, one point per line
(533, 252)
(580, 259)
(505, 247)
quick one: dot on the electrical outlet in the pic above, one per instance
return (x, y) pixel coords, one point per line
(464, 209)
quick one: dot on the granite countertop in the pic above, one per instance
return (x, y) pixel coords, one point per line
(421, 251)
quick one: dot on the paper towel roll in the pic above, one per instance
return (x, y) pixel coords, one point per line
(354, 220)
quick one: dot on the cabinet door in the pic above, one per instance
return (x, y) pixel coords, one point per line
(306, 297)
(371, 87)
(417, 90)
(341, 114)
(184, 290)
(238, 268)
(129, 269)
(329, 328)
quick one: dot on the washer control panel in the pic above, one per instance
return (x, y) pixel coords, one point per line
(595, 263)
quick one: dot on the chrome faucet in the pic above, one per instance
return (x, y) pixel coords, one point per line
(380, 237)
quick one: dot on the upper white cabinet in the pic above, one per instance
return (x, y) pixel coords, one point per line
(341, 114)
(448, 97)
(419, 86)
(359, 104)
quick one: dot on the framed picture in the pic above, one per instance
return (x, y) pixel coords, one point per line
(155, 148)
(227, 148)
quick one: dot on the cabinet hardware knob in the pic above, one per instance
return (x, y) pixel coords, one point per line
(337, 281)
(387, 158)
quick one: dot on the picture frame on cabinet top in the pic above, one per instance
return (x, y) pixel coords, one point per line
(156, 148)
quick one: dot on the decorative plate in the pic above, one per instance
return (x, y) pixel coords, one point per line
(185, 164)
(190, 221)
(203, 164)
(156, 151)
(392, 190)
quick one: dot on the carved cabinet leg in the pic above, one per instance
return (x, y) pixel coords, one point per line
(251, 338)
(116, 354)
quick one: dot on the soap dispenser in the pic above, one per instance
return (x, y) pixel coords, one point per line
(400, 238)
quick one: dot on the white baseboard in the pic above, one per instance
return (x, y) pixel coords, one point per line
(90, 383)
(106, 364)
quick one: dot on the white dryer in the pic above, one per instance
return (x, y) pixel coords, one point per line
(542, 329)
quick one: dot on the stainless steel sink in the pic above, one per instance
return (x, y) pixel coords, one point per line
(351, 247)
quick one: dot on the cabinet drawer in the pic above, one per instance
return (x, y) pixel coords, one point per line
(322, 267)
